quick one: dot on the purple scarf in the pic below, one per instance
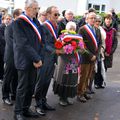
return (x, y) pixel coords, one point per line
(108, 41)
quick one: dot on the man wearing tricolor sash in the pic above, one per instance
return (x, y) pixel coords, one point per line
(27, 42)
(46, 72)
(91, 38)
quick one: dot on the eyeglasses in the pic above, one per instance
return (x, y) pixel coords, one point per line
(92, 18)
(56, 14)
(98, 21)
(44, 14)
(37, 8)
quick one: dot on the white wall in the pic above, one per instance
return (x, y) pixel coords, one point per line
(61, 4)
(19, 4)
(81, 6)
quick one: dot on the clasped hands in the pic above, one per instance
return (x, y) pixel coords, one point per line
(38, 64)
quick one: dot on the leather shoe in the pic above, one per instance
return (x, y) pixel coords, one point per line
(7, 101)
(48, 107)
(40, 111)
(30, 113)
(19, 117)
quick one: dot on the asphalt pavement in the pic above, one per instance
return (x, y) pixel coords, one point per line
(105, 104)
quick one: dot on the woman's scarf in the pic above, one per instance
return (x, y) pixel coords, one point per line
(108, 40)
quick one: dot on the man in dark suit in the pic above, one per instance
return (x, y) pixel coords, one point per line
(10, 73)
(46, 72)
(92, 44)
(27, 42)
(7, 21)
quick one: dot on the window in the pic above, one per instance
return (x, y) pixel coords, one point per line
(103, 8)
(97, 8)
(89, 5)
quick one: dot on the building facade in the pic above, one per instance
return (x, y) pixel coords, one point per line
(7, 5)
(77, 6)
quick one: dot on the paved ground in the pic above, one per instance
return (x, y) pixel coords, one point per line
(105, 103)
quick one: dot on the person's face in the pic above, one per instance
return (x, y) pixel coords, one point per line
(91, 19)
(97, 23)
(8, 20)
(33, 10)
(72, 28)
(54, 15)
(43, 17)
(108, 21)
(69, 16)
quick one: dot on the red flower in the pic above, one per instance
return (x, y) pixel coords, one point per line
(58, 45)
(74, 44)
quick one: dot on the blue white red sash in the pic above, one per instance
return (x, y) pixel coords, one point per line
(71, 36)
(77, 57)
(51, 28)
(24, 17)
(92, 35)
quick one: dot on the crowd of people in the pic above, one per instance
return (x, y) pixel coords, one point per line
(37, 45)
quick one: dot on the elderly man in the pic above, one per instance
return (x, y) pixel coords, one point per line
(46, 72)
(62, 24)
(27, 42)
(92, 40)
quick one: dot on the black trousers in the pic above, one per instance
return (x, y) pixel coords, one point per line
(1, 67)
(9, 81)
(25, 89)
(45, 73)
(98, 76)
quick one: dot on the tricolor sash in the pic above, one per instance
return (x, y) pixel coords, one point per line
(51, 28)
(72, 36)
(92, 35)
(77, 57)
(34, 26)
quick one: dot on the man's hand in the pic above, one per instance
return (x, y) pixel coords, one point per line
(59, 51)
(93, 58)
(38, 64)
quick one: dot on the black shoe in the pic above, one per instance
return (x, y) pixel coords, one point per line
(90, 92)
(102, 87)
(30, 113)
(40, 111)
(48, 107)
(19, 117)
(7, 102)
(88, 97)
(99, 87)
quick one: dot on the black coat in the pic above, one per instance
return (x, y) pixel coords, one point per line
(49, 45)
(2, 39)
(27, 47)
(8, 55)
(62, 25)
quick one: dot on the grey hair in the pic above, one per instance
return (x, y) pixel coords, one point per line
(91, 13)
(28, 3)
(98, 17)
(68, 11)
(70, 24)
